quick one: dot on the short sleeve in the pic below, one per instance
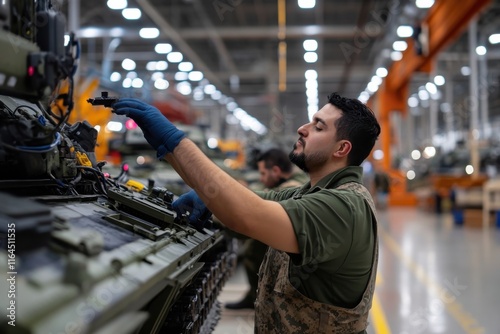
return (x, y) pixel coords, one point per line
(323, 224)
(273, 195)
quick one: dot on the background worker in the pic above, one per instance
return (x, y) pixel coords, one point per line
(276, 172)
(318, 275)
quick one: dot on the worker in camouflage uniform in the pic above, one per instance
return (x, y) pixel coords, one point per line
(318, 275)
(276, 173)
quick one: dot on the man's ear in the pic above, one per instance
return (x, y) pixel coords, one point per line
(343, 150)
(276, 170)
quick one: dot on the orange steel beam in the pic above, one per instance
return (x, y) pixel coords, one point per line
(446, 20)
(282, 45)
(387, 102)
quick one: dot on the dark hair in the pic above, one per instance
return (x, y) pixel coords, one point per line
(276, 157)
(357, 125)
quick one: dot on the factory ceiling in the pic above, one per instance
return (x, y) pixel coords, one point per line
(236, 46)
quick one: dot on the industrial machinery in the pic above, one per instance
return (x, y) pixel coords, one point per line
(82, 251)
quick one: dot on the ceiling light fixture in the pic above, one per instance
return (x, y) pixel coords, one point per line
(216, 95)
(161, 84)
(412, 102)
(424, 3)
(310, 93)
(311, 57)
(209, 89)
(431, 88)
(404, 31)
(198, 94)
(195, 76)
(494, 38)
(127, 83)
(481, 50)
(396, 56)
(157, 75)
(310, 45)
(131, 13)
(376, 80)
(312, 84)
(306, 4)
(161, 65)
(311, 75)
(185, 66)
(117, 4)
(131, 75)
(372, 87)
(137, 83)
(364, 96)
(181, 76)
(423, 95)
(128, 64)
(163, 48)
(184, 88)
(415, 154)
(439, 80)
(381, 72)
(115, 76)
(149, 33)
(232, 106)
(313, 100)
(151, 66)
(399, 45)
(174, 57)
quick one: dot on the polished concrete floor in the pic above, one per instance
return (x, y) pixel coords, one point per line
(433, 277)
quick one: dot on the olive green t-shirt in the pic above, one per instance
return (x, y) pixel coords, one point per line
(334, 230)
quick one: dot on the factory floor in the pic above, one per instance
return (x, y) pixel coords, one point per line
(433, 277)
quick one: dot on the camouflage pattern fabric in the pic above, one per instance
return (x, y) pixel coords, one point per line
(296, 180)
(255, 250)
(280, 308)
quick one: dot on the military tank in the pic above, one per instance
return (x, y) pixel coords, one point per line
(82, 251)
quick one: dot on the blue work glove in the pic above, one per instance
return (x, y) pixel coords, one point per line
(160, 133)
(198, 212)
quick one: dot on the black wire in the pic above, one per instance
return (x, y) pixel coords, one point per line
(112, 182)
(60, 184)
(50, 135)
(70, 106)
(99, 176)
(77, 178)
(54, 116)
(53, 102)
(95, 189)
(46, 113)
(24, 106)
(73, 183)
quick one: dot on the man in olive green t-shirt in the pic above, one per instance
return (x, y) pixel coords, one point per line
(318, 275)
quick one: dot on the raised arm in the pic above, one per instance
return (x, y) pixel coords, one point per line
(236, 206)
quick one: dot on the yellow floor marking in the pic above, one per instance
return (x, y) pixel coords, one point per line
(454, 308)
(379, 280)
(379, 321)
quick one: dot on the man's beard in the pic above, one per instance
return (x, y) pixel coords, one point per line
(306, 162)
(299, 160)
